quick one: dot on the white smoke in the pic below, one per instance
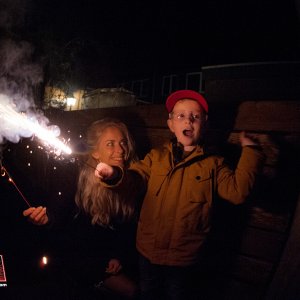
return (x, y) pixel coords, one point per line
(20, 77)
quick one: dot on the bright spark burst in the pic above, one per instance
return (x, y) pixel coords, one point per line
(19, 124)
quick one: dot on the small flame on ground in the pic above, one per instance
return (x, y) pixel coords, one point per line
(45, 260)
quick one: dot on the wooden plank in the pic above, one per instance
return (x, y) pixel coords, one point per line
(251, 270)
(282, 116)
(270, 147)
(225, 288)
(234, 289)
(238, 274)
(135, 116)
(285, 283)
(148, 138)
(261, 244)
(263, 219)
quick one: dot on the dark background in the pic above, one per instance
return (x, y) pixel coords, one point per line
(107, 42)
(113, 41)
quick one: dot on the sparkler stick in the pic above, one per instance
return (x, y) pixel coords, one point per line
(3, 172)
(15, 125)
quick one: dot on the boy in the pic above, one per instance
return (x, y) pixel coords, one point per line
(180, 181)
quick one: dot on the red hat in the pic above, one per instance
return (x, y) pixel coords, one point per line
(185, 94)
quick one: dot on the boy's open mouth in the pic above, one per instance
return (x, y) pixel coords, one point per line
(187, 132)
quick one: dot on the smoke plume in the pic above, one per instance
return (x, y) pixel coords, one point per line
(20, 74)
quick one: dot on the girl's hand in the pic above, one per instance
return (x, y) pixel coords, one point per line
(104, 171)
(36, 215)
(247, 140)
(114, 266)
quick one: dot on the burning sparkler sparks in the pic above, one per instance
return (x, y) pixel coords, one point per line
(15, 124)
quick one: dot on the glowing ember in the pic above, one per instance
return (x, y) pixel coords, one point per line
(15, 124)
(45, 260)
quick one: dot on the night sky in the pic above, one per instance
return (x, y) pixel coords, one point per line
(134, 39)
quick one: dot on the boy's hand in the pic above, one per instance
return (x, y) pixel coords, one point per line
(247, 140)
(36, 215)
(105, 171)
(114, 266)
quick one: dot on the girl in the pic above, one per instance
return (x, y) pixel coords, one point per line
(102, 232)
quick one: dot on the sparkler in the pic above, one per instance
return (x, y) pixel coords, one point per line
(17, 122)
(14, 124)
(5, 172)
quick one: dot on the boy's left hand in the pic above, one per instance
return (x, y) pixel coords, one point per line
(247, 140)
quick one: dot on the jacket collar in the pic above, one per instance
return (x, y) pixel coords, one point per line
(175, 153)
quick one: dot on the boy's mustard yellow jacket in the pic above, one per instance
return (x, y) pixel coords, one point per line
(175, 215)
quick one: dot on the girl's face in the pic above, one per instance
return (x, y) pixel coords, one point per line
(186, 122)
(112, 147)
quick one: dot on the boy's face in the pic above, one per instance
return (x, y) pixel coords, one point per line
(186, 121)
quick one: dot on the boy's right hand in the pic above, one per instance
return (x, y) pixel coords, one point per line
(105, 171)
(36, 215)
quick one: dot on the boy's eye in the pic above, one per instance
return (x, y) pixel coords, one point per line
(180, 116)
(183, 116)
(124, 143)
(109, 144)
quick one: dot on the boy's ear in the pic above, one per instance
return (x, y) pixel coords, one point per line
(170, 125)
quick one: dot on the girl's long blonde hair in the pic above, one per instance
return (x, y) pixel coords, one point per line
(105, 206)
